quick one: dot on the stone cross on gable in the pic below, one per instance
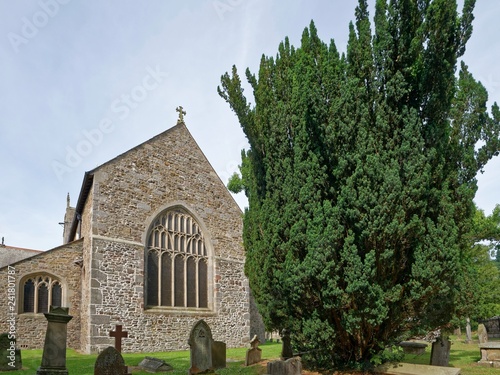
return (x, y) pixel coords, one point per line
(182, 113)
(118, 334)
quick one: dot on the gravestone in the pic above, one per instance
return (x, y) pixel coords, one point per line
(151, 364)
(54, 348)
(286, 349)
(440, 352)
(218, 354)
(482, 334)
(292, 366)
(468, 332)
(110, 362)
(10, 356)
(200, 343)
(118, 334)
(490, 354)
(412, 347)
(254, 354)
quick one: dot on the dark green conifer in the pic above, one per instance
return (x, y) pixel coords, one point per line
(360, 178)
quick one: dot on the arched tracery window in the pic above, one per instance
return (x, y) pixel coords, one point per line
(40, 292)
(176, 262)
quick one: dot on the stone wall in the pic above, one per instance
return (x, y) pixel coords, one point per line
(128, 194)
(60, 262)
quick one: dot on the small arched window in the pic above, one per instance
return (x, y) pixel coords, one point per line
(40, 292)
(176, 262)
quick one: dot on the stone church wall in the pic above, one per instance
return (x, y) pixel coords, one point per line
(128, 193)
(60, 262)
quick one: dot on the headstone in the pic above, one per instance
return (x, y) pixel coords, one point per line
(412, 347)
(286, 349)
(218, 354)
(54, 348)
(118, 334)
(110, 362)
(457, 332)
(200, 343)
(10, 356)
(292, 366)
(440, 352)
(254, 354)
(482, 334)
(151, 364)
(468, 332)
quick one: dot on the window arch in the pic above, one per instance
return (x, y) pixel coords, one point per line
(176, 262)
(40, 292)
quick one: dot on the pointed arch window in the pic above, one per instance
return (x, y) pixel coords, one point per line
(176, 262)
(40, 292)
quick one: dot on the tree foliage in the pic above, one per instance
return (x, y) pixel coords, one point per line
(360, 178)
(481, 298)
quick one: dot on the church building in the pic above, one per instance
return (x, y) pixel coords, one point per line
(154, 243)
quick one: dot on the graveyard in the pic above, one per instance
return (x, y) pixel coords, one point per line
(462, 355)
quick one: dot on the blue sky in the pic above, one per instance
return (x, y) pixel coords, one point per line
(84, 81)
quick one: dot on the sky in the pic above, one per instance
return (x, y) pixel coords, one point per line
(84, 81)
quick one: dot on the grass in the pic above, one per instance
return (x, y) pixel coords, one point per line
(83, 364)
(464, 356)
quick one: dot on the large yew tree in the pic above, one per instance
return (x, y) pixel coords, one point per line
(360, 178)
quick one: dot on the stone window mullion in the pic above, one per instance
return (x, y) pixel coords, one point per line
(196, 284)
(160, 259)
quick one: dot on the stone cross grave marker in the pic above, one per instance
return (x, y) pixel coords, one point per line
(10, 356)
(118, 334)
(54, 348)
(200, 343)
(254, 354)
(110, 362)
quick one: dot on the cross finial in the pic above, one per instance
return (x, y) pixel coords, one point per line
(182, 113)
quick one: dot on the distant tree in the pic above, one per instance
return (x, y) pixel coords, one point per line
(481, 298)
(360, 178)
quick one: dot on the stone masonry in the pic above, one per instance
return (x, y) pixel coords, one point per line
(127, 194)
(59, 262)
(102, 265)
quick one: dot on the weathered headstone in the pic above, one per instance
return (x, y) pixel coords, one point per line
(440, 352)
(254, 354)
(482, 334)
(151, 364)
(412, 347)
(200, 343)
(10, 356)
(468, 332)
(110, 362)
(54, 349)
(457, 332)
(286, 349)
(218, 354)
(292, 366)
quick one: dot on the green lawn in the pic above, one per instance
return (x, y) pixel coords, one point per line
(462, 355)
